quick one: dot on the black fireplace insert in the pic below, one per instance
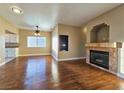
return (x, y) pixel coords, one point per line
(99, 58)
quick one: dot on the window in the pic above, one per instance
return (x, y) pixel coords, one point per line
(33, 41)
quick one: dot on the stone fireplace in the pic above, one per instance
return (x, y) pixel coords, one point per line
(103, 55)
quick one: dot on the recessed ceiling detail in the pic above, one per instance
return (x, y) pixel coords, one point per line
(46, 16)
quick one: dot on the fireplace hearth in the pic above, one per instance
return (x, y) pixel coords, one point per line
(99, 58)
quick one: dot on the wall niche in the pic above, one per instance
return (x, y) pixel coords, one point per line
(100, 33)
(63, 42)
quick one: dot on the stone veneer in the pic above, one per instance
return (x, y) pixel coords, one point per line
(112, 48)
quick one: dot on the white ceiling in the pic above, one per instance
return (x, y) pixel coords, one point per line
(48, 15)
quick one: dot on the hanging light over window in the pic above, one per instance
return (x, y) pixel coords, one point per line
(37, 32)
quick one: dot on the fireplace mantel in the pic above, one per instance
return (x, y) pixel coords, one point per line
(105, 45)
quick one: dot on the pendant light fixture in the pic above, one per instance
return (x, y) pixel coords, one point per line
(37, 32)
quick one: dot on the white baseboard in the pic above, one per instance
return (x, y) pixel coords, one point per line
(55, 57)
(9, 60)
(2, 63)
(120, 75)
(66, 59)
(76, 58)
(43, 54)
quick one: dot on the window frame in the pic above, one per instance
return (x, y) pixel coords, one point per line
(36, 44)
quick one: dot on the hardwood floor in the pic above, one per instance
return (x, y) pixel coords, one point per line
(43, 72)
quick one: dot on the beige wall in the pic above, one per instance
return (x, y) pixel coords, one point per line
(75, 41)
(83, 38)
(24, 50)
(114, 18)
(5, 25)
(55, 42)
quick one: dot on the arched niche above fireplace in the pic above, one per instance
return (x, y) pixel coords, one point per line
(99, 33)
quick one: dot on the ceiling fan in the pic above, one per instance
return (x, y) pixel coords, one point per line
(37, 32)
